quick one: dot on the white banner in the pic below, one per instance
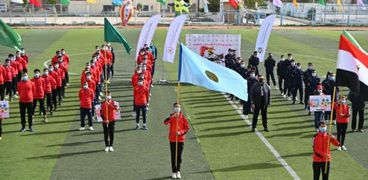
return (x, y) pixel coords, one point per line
(172, 38)
(4, 109)
(320, 103)
(147, 32)
(263, 36)
(214, 46)
(17, 1)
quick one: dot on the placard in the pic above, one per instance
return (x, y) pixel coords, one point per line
(320, 103)
(4, 109)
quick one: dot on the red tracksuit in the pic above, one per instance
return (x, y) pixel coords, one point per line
(141, 94)
(39, 88)
(26, 90)
(86, 97)
(108, 109)
(342, 119)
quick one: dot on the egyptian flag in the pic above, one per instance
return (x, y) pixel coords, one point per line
(352, 67)
(234, 4)
(37, 3)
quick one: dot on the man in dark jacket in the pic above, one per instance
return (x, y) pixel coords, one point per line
(358, 106)
(285, 69)
(310, 87)
(260, 96)
(230, 59)
(328, 88)
(281, 74)
(307, 76)
(270, 65)
(289, 79)
(297, 82)
(250, 81)
(254, 61)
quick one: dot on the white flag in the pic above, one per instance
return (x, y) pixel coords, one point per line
(172, 38)
(17, 1)
(147, 32)
(361, 4)
(263, 36)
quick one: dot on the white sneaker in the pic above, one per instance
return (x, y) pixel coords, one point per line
(339, 148)
(173, 176)
(344, 148)
(246, 116)
(82, 129)
(284, 96)
(91, 128)
(178, 175)
(289, 98)
(276, 88)
(296, 99)
(1, 138)
(15, 96)
(334, 122)
(111, 149)
(106, 149)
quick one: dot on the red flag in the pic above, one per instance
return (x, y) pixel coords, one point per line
(37, 3)
(234, 3)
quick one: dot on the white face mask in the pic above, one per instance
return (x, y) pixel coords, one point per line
(177, 109)
(322, 129)
(253, 75)
(139, 71)
(319, 91)
(46, 73)
(108, 97)
(243, 65)
(343, 101)
(37, 75)
(89, 77)
(85, 86)
(56, 66)
(140, 83)
(314, 74)
(51, 69)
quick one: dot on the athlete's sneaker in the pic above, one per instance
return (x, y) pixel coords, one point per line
(82, 129)
(45, 119)
(361, 130)
(137, 127)
(111, 149)
(178, 175)
(339, 148)
(15, 96)
(30, 130)
(107, 149)
(173, 176)
(344, 148)
(23, 130)
(284, 96)
(144, 127)
(91, 128)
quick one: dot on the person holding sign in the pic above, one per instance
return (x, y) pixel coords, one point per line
(108, 111)
(342, 119)
(318, 115)
(322, 152)
(178, 128)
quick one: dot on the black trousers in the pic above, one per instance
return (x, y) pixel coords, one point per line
(112, 69)
(268, 75)
(106, 72)
(2, 92)
(54, 98)
(246, 107)
(1, 127)
(67, 76)
(62, 91)
(281, 82)
(138, 110)
(42, 105)
(49, 102)
(354, 119)
(263, 110)
(341, 131)
(176, 164)
(287, 87)
(58, 93)
(318, 168)
(8, 88)
(295, 90)
(14, 84)
(109, 129)
(23, 108)
(83, 113)
(306, 99)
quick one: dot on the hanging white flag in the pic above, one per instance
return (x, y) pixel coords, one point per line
(147, 32)
(17, 1)
(263, 36)
(172, 38)
(361, 4)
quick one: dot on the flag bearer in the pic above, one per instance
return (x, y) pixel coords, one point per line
(178, 128)
(108, 110)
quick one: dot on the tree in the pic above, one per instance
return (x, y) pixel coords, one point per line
(214, 5)
(250, 4)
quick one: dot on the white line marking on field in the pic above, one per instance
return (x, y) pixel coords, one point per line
(265, 141)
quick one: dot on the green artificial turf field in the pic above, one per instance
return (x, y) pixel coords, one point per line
(220, 145)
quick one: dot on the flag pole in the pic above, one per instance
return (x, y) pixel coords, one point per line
(330, 126)
(107, 106)
(177, 124)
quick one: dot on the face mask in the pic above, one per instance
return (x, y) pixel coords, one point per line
(139, 71)
(253, 75)
(46, 73)
(343, 101)
(310, 67)
(314, 74)
(319, 91)
(56, 66)
(37, 75)
(108, 97)
(85, 86)
(140, 83)
(25, 78)
(243, 65)
(292, 64)
(299, 67)
(51, 69)
(177, 109)
(7, 64)
(332, 78)
(62, 52)
(322, 129)
(88, 67)
(144, 68)
(89, 77)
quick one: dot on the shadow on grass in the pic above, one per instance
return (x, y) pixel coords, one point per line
(212, 112)
(294, 122)
(160, 178)
(294, 127)
(219, 121)
(49, 132)
(219, 116)
(62, 155)
(225, 127)
(245, 167)
(73, 143)
(223, 134)
(298, 155)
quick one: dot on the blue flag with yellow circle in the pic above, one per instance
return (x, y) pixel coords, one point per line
(196, 70)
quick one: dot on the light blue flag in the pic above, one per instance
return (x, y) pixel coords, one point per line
(117, 2)
(199, 71)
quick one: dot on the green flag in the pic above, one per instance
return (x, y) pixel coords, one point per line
(65, 2)
(8, 37)
(113, 35)
(163, 2)
(323, 2)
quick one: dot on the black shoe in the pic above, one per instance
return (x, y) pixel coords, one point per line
(301, 102)
(253, 130)
(23, 130)
(30, 130)
(266, 130)
(137, 127)
(293, 102)
(309, 113)
(145, 128)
